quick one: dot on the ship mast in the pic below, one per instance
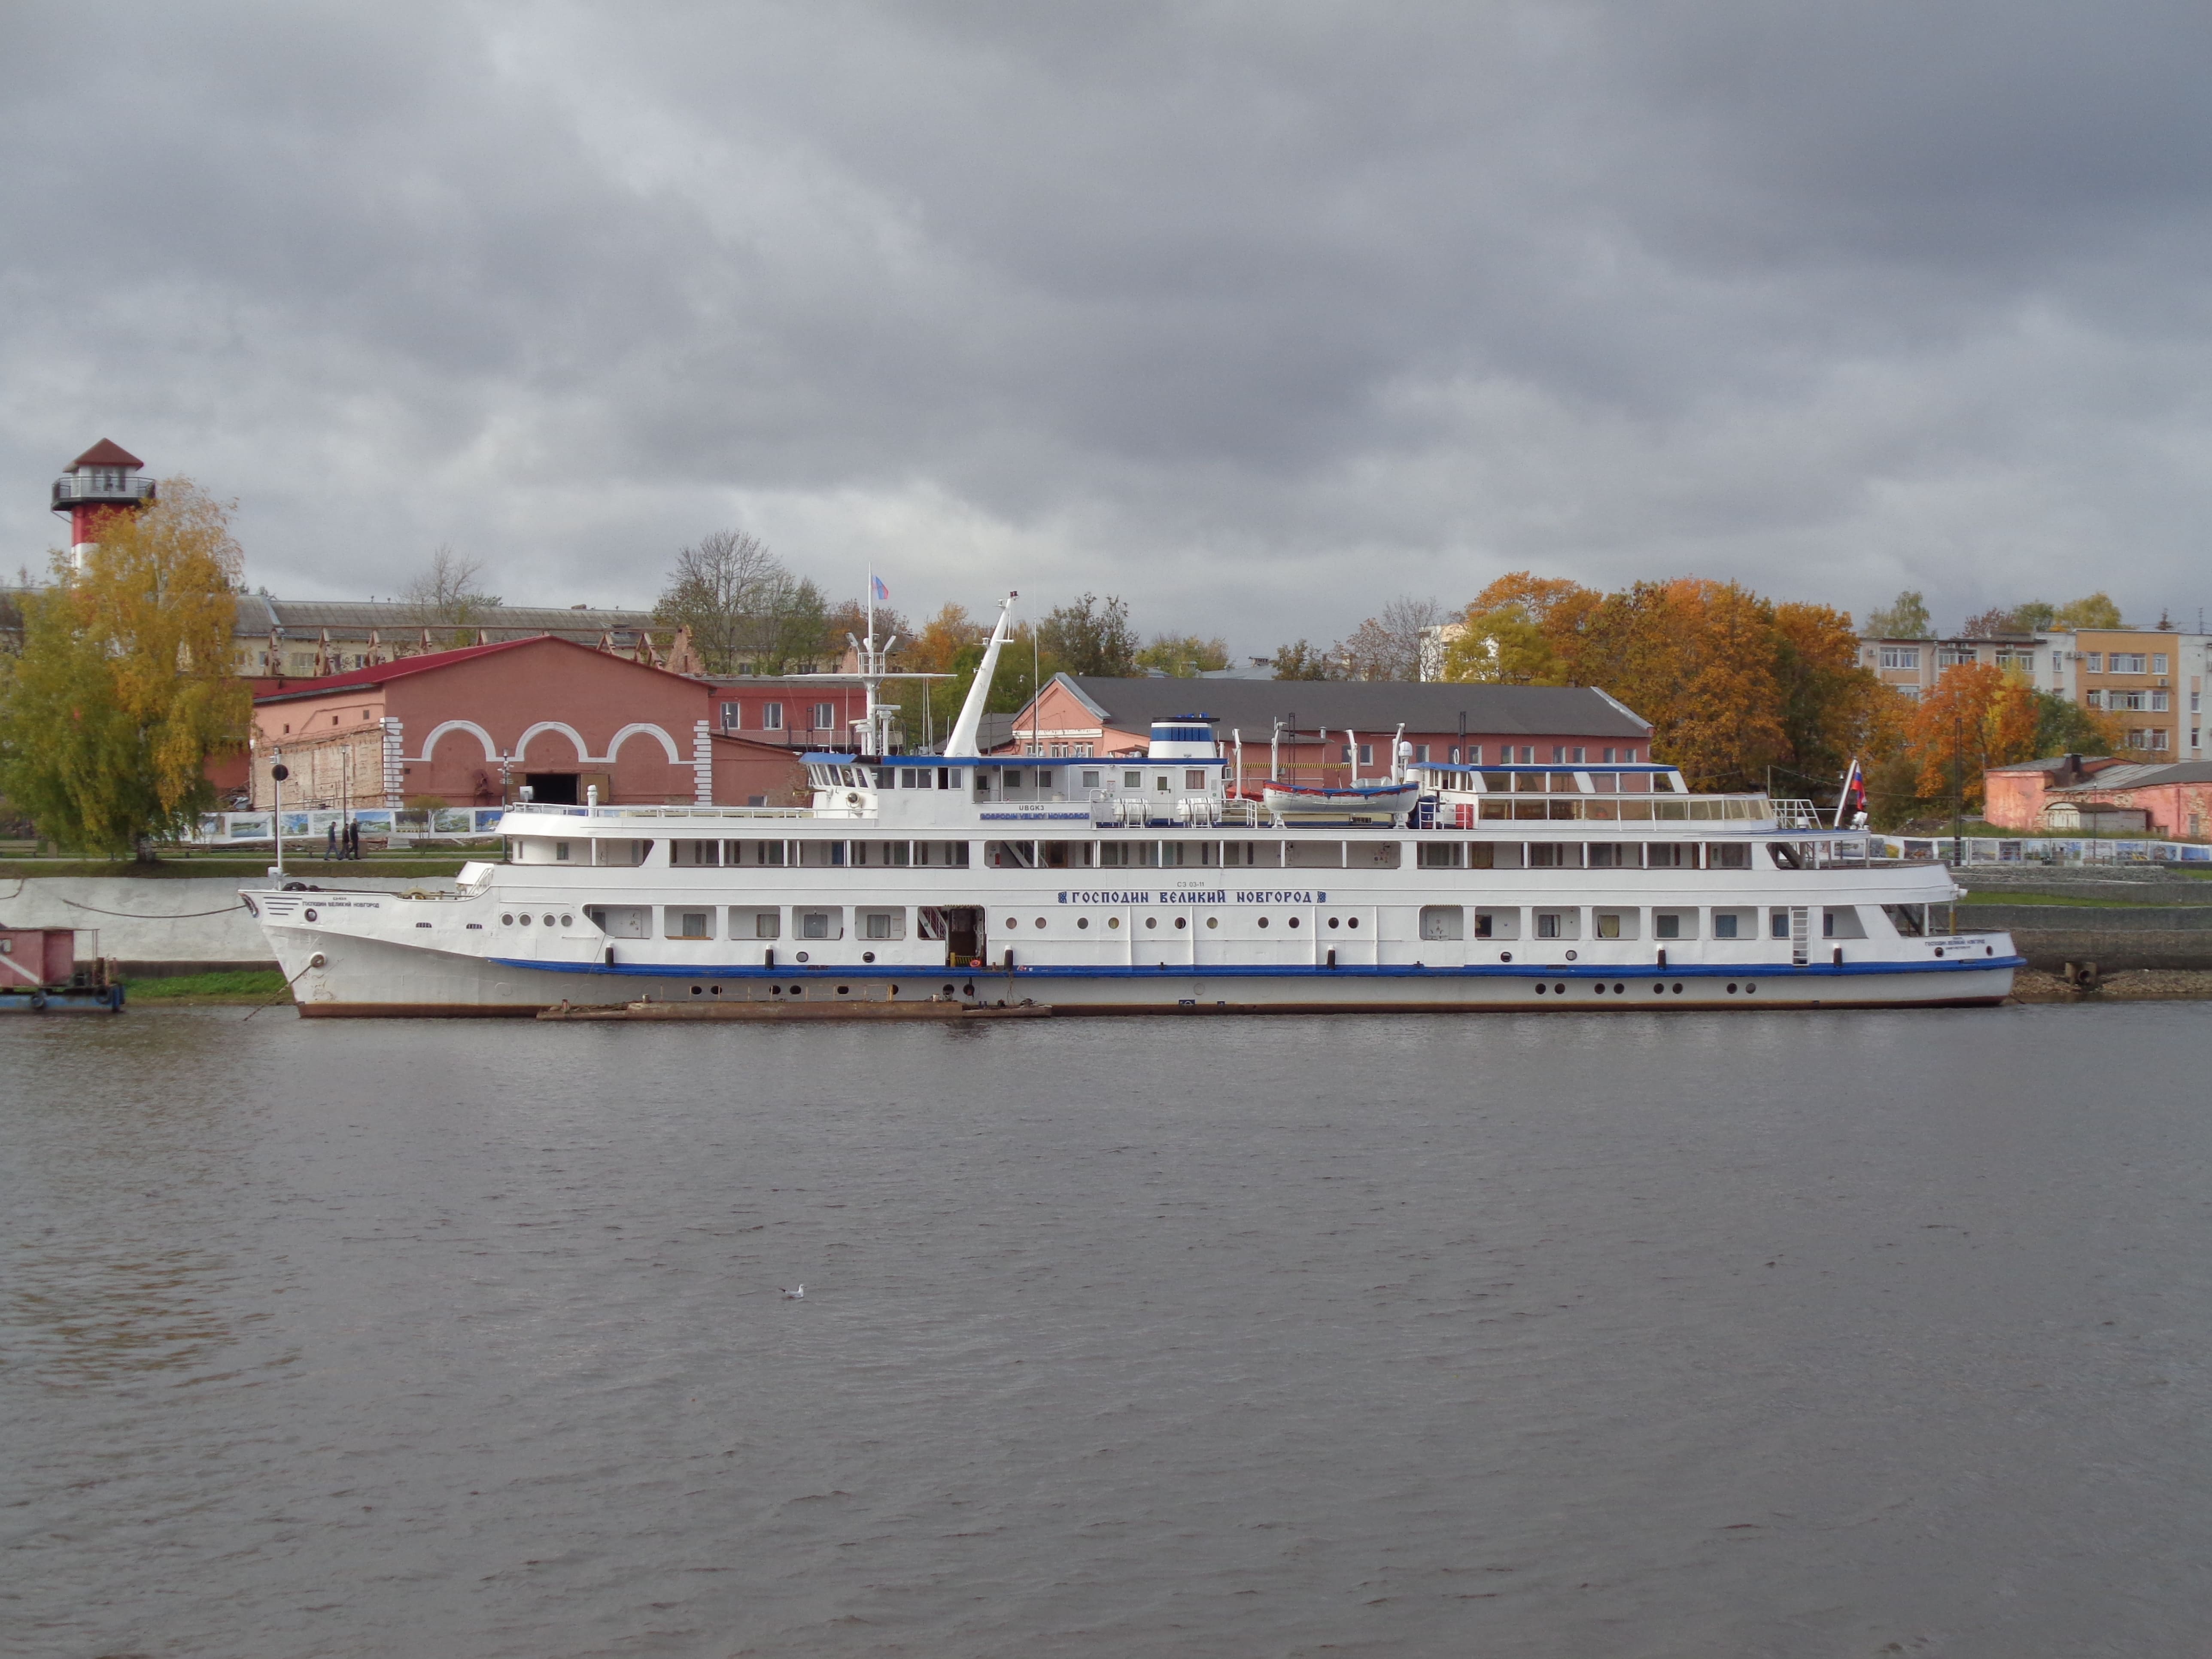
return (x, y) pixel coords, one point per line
(963, 740)
(875, 733)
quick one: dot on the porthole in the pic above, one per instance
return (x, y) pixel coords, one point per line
(1678, 987)
(698, 990)
(1599, 987)
(713, 990)
(1294, 921)
(1560, 990)
(775, 990)
(522, 921)
(1152, 921)
(1213, 921)
(797, 991)
(1332, 921)
(1657, 989)
(802, 956)
(1731, 987)
(1040, 921)
(1082, 924)
(1750, 990)
(1263, 921)
(1113, 924)
(548, 921)
(309, 914)
(843, 990)
(1010, 922)
(1181, 922)
(507, 920)
(867, 956)
(1570, 956)
(1505, 956)
(948, 990)
(1619, 989)
(567, 919)
(1541, 989)
(1354, 922)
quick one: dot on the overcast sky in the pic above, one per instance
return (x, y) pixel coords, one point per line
(1257, 314)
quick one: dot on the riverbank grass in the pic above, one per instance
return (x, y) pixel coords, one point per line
(234, 986)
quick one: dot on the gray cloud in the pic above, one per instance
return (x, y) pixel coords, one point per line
(1254, 314)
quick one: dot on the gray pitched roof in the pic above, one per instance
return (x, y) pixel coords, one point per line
(258, 613)
(1254, 706)
(2145, 776)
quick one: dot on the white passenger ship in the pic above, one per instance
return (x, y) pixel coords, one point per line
(1143, 885)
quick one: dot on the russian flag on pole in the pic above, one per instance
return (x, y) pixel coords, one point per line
(883, 594)
(1853, 799)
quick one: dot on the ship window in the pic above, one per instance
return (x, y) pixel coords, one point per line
(1442, 922)
(821, 854)
(1090, 780)
(687, 923)
(1727, 855)
(560, 852)
(1558, 924)
(1442, 855)
(1044, 778)
(1608, 855)
(1673, 924)
(821, 924)
(1132, 779)
(690, 854)
(1193, 780)
(755, 923)
(1554, 854)
(883, 924)
(1733, 923)
(1240, 853)
(1010, 855)
(754, 853)
(1778, 924)
(1843, 922)
(941, 854)
(1498, 924)
(1011, 778)
(1785, 855)
(1616, 924)
(1669, 856)
(1160, 785)
(1911, 920)
(1066, 854)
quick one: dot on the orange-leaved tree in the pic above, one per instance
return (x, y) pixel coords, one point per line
(1974, 716)
(126, 687)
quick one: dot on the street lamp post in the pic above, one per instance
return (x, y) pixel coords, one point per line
(278, 773)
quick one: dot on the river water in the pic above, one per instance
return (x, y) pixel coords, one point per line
(1558, 1335)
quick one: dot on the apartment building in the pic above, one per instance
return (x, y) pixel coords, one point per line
(2153, 679)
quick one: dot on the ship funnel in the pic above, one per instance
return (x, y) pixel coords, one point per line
(1184, 736)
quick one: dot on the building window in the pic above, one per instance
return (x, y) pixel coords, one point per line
(2158, 662)
(1581, 757)
(2160, 701)
(2196, 703)
(2096, 699)
(772, 717)
(1528, 754)
(1900, 656)
(1474, 754)
(1421, 753)
(825, 716)
(2096, 662)
(1367, 754)
(1954, 656)
(2157, 737)
(2127, 662)
(733, 716)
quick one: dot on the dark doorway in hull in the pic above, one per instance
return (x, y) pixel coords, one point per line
(961, 927)
(553, 789)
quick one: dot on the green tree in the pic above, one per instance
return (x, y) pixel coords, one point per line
(2033, 616)
(1184, 656)
(1904, 618)
(1091, 636)
(2097, 610)
(123, 689)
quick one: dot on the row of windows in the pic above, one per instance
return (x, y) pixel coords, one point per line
(1438, 922)
(2154, 702)
(822, 717)
(2093, 662)
(761, 853)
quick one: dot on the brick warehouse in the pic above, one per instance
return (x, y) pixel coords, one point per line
(470, 727)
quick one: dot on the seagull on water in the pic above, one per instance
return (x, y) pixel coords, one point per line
(794, 1292)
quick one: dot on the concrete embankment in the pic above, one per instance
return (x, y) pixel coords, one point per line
(2114, 937)
(161, 927)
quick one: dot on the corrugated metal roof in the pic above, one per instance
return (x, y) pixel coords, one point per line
(258, 613)
(2143, 776)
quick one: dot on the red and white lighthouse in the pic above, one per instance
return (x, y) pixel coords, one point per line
(105, 480)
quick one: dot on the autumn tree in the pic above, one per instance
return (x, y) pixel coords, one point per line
(1905, 617)
(124, 689)
(2097, 610)
(1303, 660)
(1974, 717)
(1184, 656)
(1520, 630)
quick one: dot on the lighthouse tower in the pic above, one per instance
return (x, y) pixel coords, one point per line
(104, 480)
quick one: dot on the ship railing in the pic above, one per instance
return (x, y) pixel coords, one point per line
(1453, 810)
(549, 808)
